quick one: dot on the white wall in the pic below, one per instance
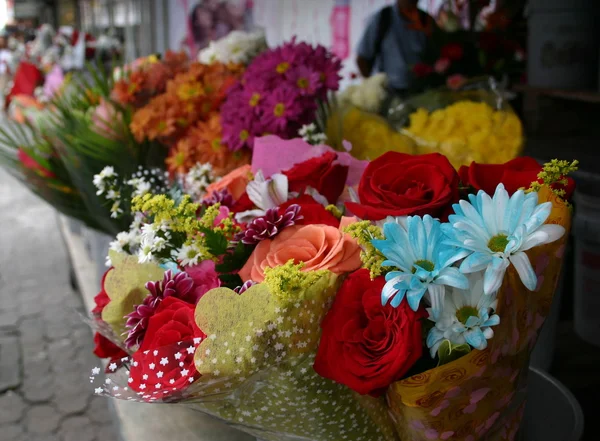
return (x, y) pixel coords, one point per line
(309, 20)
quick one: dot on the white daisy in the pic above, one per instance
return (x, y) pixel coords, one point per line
(465, 317)
(188, 255)
(145, 253)
(497, 231)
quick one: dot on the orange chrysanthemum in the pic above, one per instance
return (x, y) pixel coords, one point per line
(203, 144)
(148, 79)
(189, 99)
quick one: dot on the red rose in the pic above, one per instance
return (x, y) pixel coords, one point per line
(515, 174)
(452, 51)
(104, 348)
(312, 212)
(101, 299)
(165, 360)
(422, 70)
(397, 184)
(365, 345)
(320, 173)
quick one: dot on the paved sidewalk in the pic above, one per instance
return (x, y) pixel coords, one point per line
(45, 348)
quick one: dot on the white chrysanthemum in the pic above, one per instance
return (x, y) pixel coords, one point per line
(236, 47)
(465, 317)
(121, 242)
(116, 209)
(140, 186)
(368, 95)
(145, 253)
(113, 195)
(310, 134)
(160, 243)
(497, 231)
(197, 180)
(105, 179)
(188, 255)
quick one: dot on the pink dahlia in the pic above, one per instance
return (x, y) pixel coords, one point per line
(269, 225)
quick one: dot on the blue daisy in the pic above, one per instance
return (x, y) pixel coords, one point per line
(467, 317)
(422, 261)
(497, 231)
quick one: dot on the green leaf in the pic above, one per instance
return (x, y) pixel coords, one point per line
(230, 281)
(216, 242)
(235, 260)
(448, 352)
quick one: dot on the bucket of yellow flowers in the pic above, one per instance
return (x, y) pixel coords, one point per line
(472, 123)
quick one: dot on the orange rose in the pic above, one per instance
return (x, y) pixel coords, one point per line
(234, 181)
(318, 246)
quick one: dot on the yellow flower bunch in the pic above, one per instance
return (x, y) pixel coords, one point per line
(468, 131)
(370, 135)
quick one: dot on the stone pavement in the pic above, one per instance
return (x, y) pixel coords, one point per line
(45, 348)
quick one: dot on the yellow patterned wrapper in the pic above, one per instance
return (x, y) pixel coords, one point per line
(257, 375)
(481, 396)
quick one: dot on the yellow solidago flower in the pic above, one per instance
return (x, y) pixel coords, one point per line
(364, 232)
(289, 281)
(554, 173)
(182, 218)
(334, 210)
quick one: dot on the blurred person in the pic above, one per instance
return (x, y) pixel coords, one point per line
(6, 61)
(393, 42)
(202, 19)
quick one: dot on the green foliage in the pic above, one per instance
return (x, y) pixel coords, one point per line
(230, 281)
(447, 352)
(235, 259)
(215, 241)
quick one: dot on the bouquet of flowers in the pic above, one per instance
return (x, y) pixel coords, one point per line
(315, 298)
(475, 123)
(353, 116)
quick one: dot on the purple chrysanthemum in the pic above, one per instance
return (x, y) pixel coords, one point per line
(269, 225)
(247, 284)
(222, 197)
(278, 93)
(178, 285)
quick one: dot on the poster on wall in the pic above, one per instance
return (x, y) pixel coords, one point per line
(206, 20)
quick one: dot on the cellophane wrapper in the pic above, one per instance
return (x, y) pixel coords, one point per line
(481, 396)
(473, 123)
(254, 368)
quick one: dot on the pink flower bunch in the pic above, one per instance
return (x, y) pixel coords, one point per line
(278, 93)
